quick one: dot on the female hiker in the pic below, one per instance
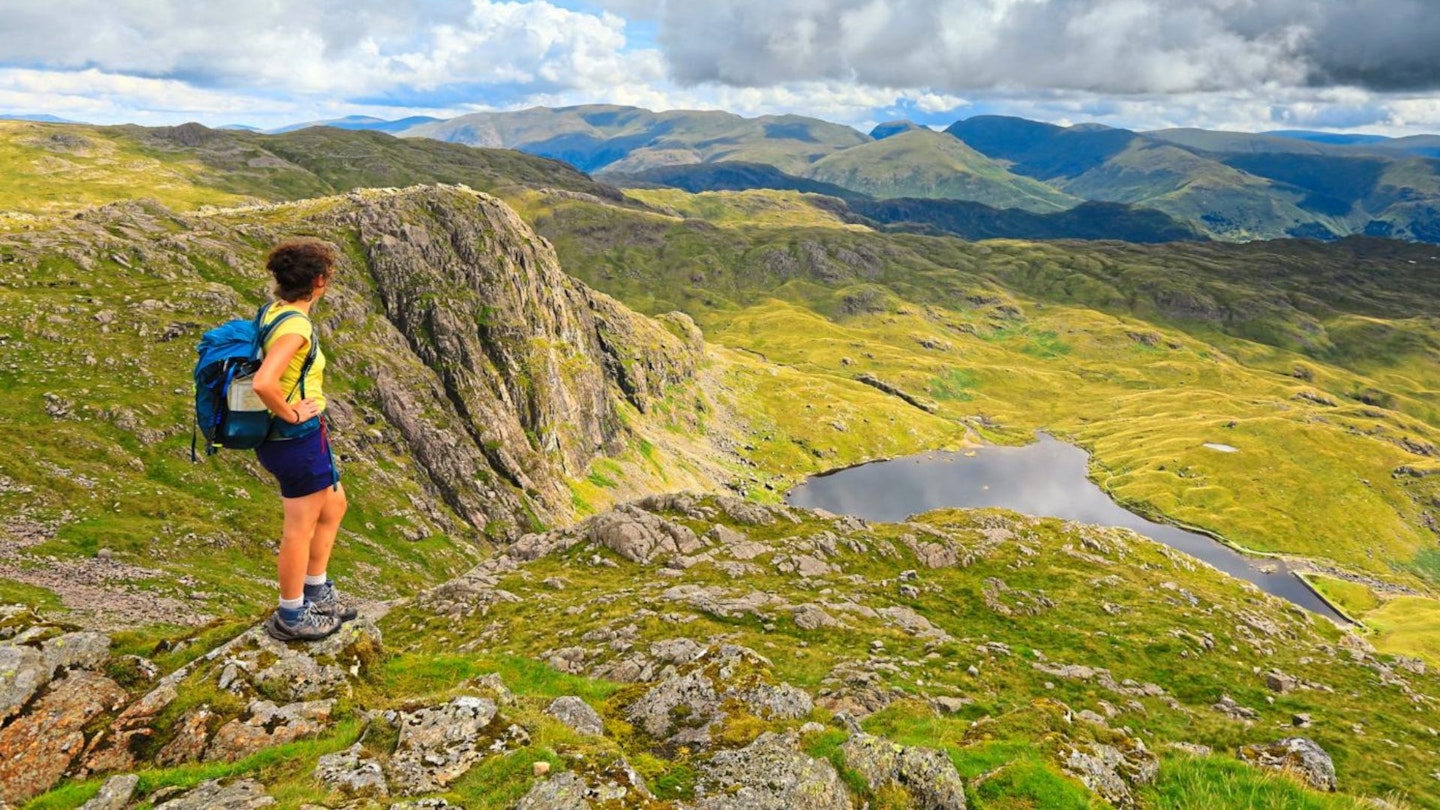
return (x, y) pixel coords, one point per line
(291, 384)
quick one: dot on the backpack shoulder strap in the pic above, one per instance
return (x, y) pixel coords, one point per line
(264, 330)
(310, 354)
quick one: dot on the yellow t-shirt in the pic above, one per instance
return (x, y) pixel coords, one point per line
(290, 380)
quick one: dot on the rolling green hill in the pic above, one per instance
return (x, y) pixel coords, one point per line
(729, 175)
(629, 139)
(968, 220)
(51, 168)
(1233, 186)
(1043, 151)
(923, 163)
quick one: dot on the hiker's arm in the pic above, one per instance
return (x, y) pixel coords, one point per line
(267, 379)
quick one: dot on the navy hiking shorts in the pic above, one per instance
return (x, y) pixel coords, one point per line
(302, 466)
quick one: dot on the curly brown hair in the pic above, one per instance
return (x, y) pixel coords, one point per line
(298, 264)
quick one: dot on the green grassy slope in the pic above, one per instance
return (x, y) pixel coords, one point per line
(1226, 202)
(1142, 354)
(1206, 140)
(923, 163)
(976, 633)
(967, 220)
(1043, 151)
(101, 319)
(50, 168)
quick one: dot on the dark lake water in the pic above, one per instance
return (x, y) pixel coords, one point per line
(1044, 479)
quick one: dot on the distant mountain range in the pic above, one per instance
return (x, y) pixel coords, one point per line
(359, 122)
(1229, 186)
(1224, 185)
(38, 118)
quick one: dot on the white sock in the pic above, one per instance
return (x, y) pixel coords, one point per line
(316, 579)
(293, 604)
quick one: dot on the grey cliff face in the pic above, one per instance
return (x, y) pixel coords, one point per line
(535, 365)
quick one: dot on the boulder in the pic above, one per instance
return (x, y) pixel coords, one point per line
(913, 623)
(563, 791)
(268, 725)
(776, 701)
(37, 748)
(640, 536)
(753, 514)
(613, 785)
(22, 674)
(683, 707)
(1112, 770)
(926, 774)
(348, 772)
(769, 774)
(244, 794)
(112, 749)
(192, 734)
(438, 744)
(725, 537)
(76, 651)
(813, 617)
(1296, 755)
(114, 794)
(1278, 681)
(677, 650)
(1228, 707)
(680, 708)
(577, 715)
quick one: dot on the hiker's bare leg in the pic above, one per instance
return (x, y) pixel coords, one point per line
(326, 527)
(301, 517)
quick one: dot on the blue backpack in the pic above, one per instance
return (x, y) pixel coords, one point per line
(226, 408)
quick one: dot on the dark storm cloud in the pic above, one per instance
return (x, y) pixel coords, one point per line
(1108, 46)
(1392, 45)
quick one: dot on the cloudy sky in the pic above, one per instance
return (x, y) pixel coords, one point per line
(1361, 65)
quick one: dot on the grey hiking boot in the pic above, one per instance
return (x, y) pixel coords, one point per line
(311, 626)
(329, 603)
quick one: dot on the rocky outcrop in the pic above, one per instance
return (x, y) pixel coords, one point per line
(438, 744)
(769, 774)
(22, 674)
(113, 748)
(533, 364)
(268, 725)
(243, 794)
(638, 535)
(686, 706)
(1112, 771)
(612, 784)
(925, 774)
(25, 668)
(37, 748)
(896, 391)
(576, 715)
(114, 794)
(1296, 755)
(352, 774)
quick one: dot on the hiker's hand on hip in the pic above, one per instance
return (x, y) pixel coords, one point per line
(305, 410)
